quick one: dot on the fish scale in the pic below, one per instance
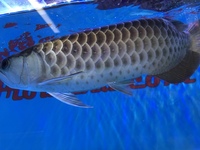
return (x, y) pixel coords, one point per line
(112, 55)
(137, 47)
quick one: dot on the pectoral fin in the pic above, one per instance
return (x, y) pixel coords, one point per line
(183, 70)
(59, 79)
(70, 99)
(121, 87)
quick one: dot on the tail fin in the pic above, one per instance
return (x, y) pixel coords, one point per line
(194, 30)
(191, 60)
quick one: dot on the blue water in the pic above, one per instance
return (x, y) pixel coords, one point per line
(155, 118)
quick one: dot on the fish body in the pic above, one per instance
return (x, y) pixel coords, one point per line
(111, 55)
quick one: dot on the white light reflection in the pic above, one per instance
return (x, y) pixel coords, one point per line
(6, 5)
(38, 7)
(9, 9)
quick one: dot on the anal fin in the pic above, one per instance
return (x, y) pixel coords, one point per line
(183, 70)
(122, 87)
(69, 99)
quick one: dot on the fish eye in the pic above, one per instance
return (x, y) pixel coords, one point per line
(5, 64)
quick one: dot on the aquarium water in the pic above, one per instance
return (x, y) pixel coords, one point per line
(159, 115)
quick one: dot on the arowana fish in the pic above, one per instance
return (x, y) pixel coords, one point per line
(112, 55)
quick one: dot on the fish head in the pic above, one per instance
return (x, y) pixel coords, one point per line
(11, 69)
(20, 71)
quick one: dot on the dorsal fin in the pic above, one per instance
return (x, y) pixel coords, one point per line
(180, 26)
(183, 70)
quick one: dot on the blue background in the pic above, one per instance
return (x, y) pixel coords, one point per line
(164, 117)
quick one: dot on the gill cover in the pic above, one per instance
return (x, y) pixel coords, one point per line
(11, 70)
(21, 70)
